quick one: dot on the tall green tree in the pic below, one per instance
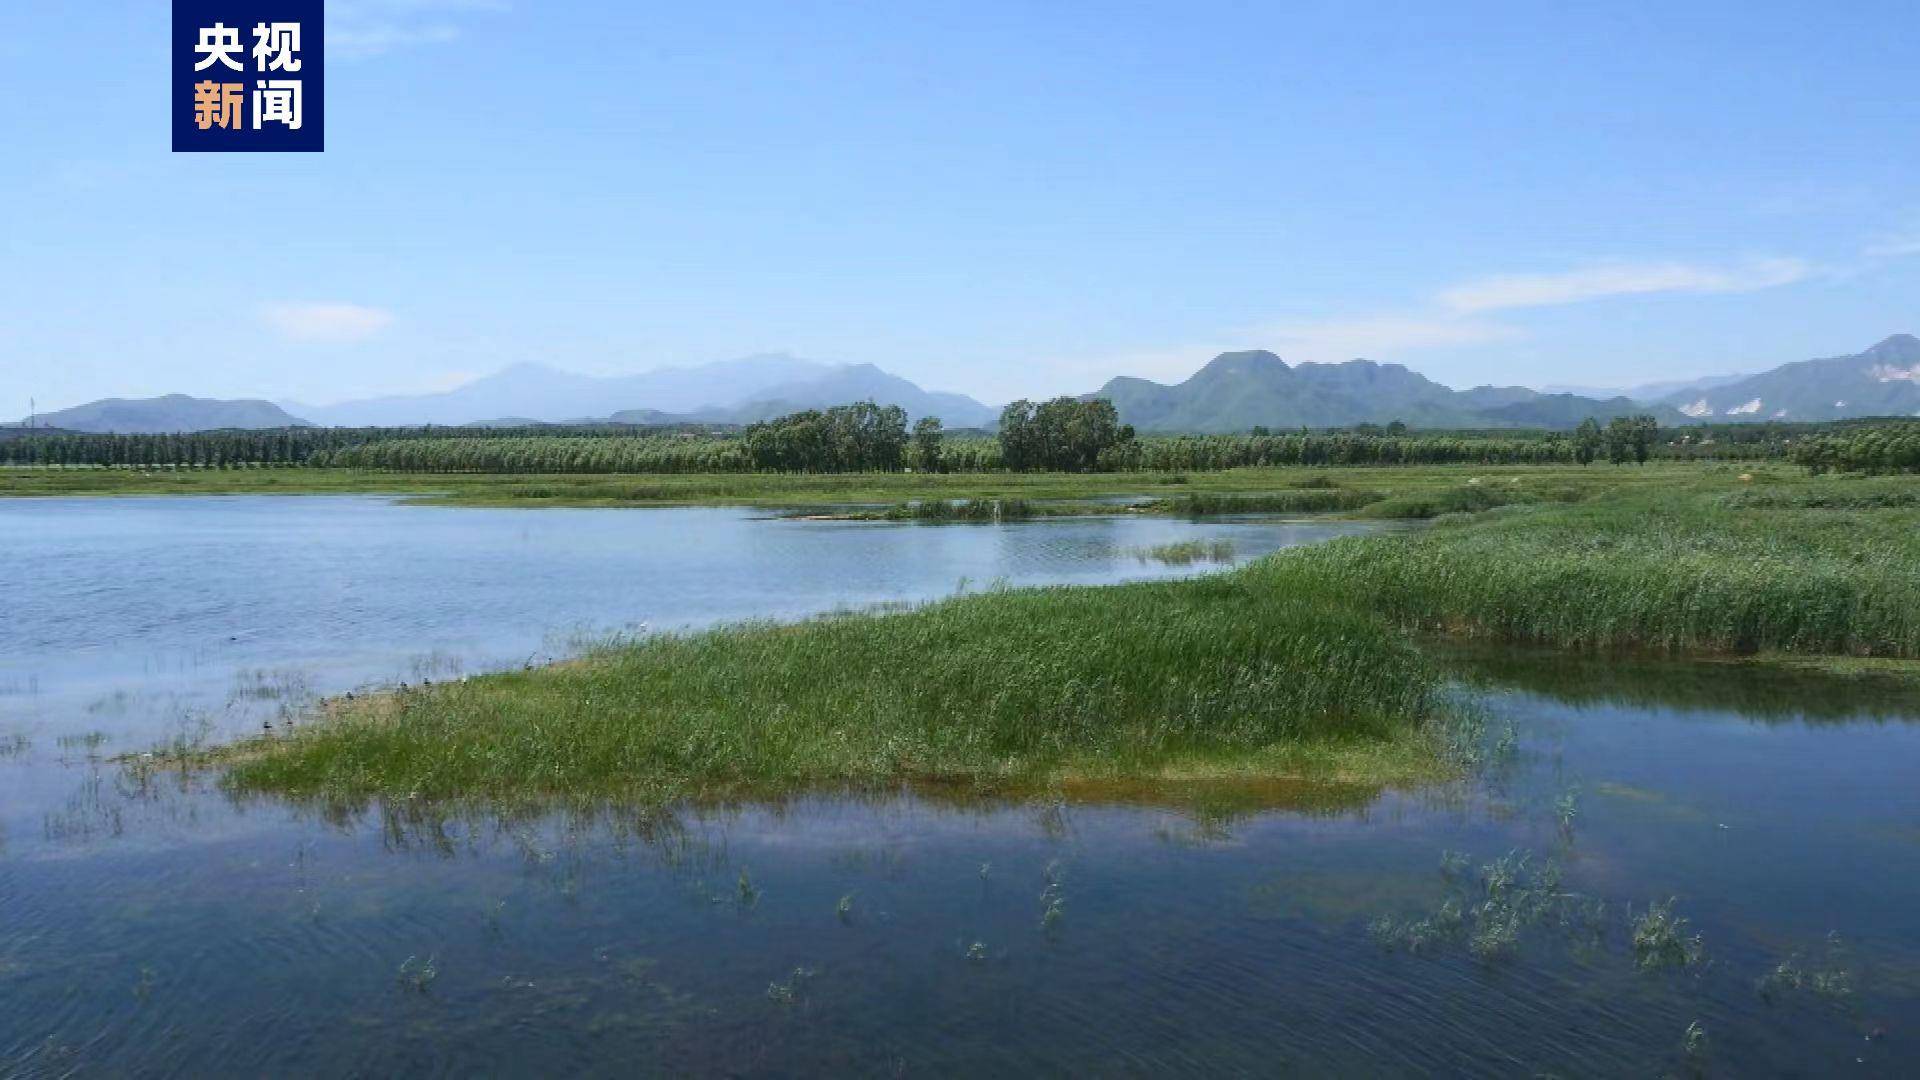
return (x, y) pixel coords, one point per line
(1620, 438)
(1065, 434)
(1587, 441)
(924, 455)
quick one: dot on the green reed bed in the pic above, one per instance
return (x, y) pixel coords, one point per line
(1686, 569)
(1309, 500)
(996, 691)
(938, 511)
(818, 489)
(1469, 498)
(1324, 498)
(1187, 552)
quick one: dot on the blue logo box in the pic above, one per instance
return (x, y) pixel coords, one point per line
(248, 75)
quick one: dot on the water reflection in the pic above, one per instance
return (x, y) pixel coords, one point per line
(1755, 690)
(1494, 926)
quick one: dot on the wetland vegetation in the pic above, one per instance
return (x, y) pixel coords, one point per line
(787, 829)
(1296, 663)
(1022, 689)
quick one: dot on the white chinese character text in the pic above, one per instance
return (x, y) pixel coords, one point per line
(277, 100)
(219, 42)
(274, 46)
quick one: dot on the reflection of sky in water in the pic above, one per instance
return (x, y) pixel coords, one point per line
(171, 931)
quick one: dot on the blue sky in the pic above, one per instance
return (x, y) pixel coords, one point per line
(1002, 199)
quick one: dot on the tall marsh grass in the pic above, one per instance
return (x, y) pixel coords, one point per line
(1688, 570)
(987, 691)
(1306, 500)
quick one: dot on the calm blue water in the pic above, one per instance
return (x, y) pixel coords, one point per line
(162, 929)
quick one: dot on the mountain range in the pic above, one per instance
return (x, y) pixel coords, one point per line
(1239, 390)
(1882, 381)
(1235, 391)
(728, 391)
(1653, 391)
(173, 412)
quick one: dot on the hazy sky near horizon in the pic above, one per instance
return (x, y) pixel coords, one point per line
(1004, 199)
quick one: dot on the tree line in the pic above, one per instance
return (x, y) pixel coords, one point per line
(1892, 448)
(1064, 434)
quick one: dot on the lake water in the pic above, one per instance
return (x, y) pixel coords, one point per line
(164, 929)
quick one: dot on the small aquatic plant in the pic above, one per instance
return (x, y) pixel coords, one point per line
(1660, 939)
(1566, 808)
(977, 952)
(1825, 975)
(1187, 552)
(1053, 902)
(89, 741)
(1496, 932)
(1490, 910)
(418, 975)
(788, 992)
(1052, 913)
(1694, 1042)
(1444, 926)
(744, 889)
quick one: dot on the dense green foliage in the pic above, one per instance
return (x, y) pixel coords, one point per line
(1286, 665)
(846, 438)
(1692, 570)
(443, 450)
(1315, 500)
(1063, 435)
(1879, 449)
(815, 490)
(664, 454)
(987, 690)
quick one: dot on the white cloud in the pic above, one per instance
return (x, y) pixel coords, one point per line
(1457, 316)
(325, 323)
(1894, 247)
(1509, 291)
(357, 29)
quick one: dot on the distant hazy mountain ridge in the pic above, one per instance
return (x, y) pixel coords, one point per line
(835, 386)
(1882, 381)
(171, 413)
(727, 391)
(1237, 391)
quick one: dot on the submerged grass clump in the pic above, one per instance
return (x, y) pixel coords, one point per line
(989, 510)
(1660, 939)
(1488, 913)
(1187, 552)
(1825, 975)
(1320, 499)
(1304, 500)
(988, 691)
